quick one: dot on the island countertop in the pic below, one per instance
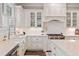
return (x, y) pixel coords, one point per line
(6, 46)
(70, 47)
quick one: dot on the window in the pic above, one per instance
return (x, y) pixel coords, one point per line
(36, 19)
(9, 11)
(2, 7)
(68, 21)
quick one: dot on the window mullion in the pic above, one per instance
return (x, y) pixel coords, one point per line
(71, 19)
(35, 19)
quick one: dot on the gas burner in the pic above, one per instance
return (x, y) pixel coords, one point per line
(56, 36)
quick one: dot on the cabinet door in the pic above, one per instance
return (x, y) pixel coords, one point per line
(37, 46)
(36, 39)
(58, 52)
(21, 49)
(35, 42)
(29, 42)
(72, 18)
(54, 9)
(45, 43)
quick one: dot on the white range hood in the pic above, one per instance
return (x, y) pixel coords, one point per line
(55, 16)
(55, 27)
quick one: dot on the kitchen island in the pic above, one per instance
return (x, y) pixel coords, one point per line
(6, 47)
(64, 47)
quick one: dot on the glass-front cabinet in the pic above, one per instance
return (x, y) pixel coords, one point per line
(71, 20)
(36, 18)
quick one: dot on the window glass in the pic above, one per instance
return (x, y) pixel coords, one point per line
(74, 19)
(68, 20)
(32, 19)
(38, 19)
(8, 10)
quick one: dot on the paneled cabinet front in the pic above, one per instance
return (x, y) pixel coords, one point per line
(56, 9)
(22, 47)
(56, 49)
(36, 42)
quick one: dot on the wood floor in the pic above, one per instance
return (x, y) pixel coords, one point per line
(35, 53)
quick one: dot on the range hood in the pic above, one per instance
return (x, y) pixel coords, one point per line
(55, 20)
(55, 27)
(55, 16)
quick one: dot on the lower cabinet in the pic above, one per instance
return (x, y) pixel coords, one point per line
(57, 50)
(22, 47)
(71, 37)
(37, 42)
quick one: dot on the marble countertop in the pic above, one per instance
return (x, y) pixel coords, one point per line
(69, 47)
(6, 46)
(36, 35)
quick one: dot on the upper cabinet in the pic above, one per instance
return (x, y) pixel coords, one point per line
(55, 9)
(33, 17)
(71, 20)
(19, 12)
(72, 15)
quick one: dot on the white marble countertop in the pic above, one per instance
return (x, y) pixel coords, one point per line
(6, 46)
(70, 47)
(19, 39)
(36, 35)
(72, 35)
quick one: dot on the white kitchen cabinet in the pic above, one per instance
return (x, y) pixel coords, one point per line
(75, 37)
(33, 17)
(55, 27)
(55, 9)
(19, 13)
(22, 45)
(56, 49)
(21, 49)
(72, 18)
(39, 42)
